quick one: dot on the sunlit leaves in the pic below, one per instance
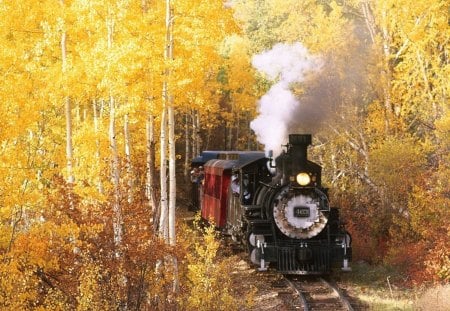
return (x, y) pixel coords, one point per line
(417, 35)
(208, 283)
(56, 238)
(397, 163)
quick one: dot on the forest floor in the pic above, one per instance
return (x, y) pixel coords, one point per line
(371, 287)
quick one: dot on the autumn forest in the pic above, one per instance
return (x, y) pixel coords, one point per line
(104, 104)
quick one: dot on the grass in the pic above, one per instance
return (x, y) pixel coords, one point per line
(375, 288)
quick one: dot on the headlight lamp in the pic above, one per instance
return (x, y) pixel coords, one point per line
(303, 179)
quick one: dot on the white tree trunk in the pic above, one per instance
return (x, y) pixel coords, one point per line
(69, 147)
(383, 30)
(369, 19)
(164, 212)
(387, 67)
(194, 134)
(168, 200)
(68, 111)
(171, 129)
(129, 165)
(172, 174)
(115, 171)
(150, 188)
(236, 141)
(97, 146)
(187, 145)
(118, 223)
(197, 144)
(172, 152)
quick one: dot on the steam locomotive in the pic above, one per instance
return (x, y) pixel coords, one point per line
(276, 207)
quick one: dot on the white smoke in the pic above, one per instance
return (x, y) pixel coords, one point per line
(286, 64)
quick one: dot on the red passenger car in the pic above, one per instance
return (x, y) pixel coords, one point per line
(215, 191)
(218, 169)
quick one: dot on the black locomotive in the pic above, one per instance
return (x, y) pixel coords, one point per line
(276, 207)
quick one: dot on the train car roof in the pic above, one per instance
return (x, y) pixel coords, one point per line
(235, 159)
(220, 164)
(205, 156)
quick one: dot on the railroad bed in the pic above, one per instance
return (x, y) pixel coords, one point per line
(315, 293)
(300, 292)
(311, 293)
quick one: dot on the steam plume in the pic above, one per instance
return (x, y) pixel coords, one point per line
(287, 64)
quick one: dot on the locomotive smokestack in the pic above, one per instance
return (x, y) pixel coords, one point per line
(300, 139)
(298, 146)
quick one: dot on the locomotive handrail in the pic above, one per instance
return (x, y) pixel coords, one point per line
(251, 207)
(268, 186)
(270, 156)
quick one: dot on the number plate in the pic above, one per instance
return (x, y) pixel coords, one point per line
(301, 211)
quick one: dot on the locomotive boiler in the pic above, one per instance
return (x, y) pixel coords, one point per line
(276, 207)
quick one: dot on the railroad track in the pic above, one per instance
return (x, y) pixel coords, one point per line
(312, 294)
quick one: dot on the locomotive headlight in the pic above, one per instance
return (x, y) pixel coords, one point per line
(303, 179)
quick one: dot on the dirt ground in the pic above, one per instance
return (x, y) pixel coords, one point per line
(264, 296)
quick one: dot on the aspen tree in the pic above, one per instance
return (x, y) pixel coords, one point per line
(196, 133)
(100, 187)
(187, 147)
(386, 64)
(115, 169)
(167, 141)
(129, 165)
(164, 198)
(163, 205)
(151, 172)
(67, 106)
(151, 183)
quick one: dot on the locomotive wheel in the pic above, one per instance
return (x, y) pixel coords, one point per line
(246, 240)
(253, 238)
(252, 251)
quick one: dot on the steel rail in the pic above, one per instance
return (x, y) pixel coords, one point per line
(339, 294)
(301, 296)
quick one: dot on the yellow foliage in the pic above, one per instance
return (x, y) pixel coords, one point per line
(17, 286)
(208, 283)
(90, 290)
(55, 300)
(50, 230)
(397, 164)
